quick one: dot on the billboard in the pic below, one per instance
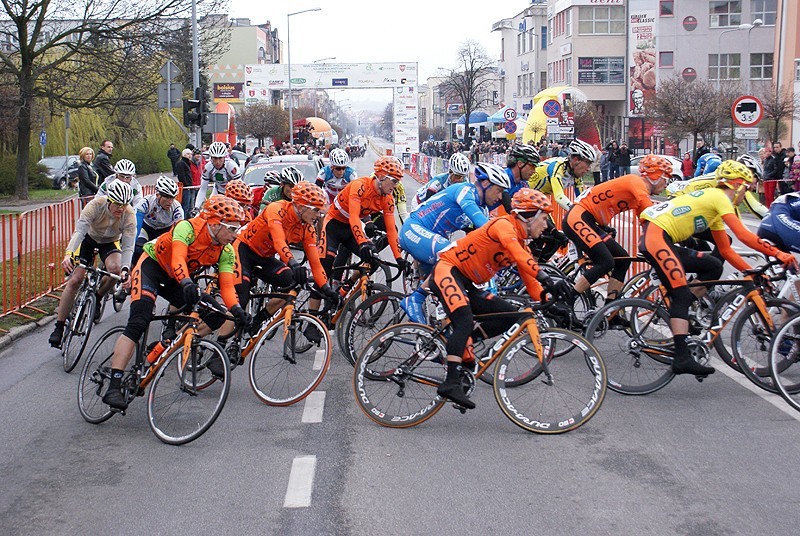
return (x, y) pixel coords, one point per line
(406, 123)
(331, 75)
(229, 92)
(642, 54)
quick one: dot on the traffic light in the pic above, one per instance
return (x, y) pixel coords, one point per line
(191, 112)
(205, 105)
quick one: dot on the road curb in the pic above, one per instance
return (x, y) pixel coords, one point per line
(20, 331)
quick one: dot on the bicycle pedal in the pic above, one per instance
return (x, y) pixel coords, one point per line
(701, 378)
(462, 409)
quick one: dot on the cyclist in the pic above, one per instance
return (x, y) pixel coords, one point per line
(103, 221)
(272, 181)
(218, 172)
(166, 270)
(427, 231)
(156, 213)
(399, 195)
(124, 170)
(240, 192)
(521, 164)
(666, 224)
(708, 163)
(782, 223)
(457, 172)
(335, 176)
(594, 209)
(475, 259)
(557, 174)
(289, 177)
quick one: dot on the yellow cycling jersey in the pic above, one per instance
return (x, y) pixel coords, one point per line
(399, 194)
(552, 177)
(692, 213)
(709, 181)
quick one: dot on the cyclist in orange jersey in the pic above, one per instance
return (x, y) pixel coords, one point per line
(594, 209)
(475, 259)
(165, 269)
(666, 224)
(240, 191)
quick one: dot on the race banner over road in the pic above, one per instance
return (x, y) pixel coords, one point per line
(329, 75)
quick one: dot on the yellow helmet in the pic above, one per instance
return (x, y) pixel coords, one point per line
(733, 174)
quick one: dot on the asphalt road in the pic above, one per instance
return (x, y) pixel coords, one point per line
(690, 459)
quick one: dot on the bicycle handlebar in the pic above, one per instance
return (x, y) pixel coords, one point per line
(100, 271)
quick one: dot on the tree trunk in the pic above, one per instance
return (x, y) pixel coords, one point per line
(776, 133)
(24, 133)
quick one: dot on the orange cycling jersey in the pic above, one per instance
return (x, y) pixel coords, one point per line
(359, 199)
(606, 200)
(498, 244)
(275, 228)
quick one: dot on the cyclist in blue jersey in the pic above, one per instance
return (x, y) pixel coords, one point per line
(520, 165)
(457, 172)
(781, 225)
(336, 175)
(708, 163)
(427, 230)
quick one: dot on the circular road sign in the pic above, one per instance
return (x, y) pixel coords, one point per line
(510, 126)
(747, 111)
(510, 114)
(551, 108)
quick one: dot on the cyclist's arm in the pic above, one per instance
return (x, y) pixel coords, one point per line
(182, 236)
(504, 233)
(402, 208)
(320, 181)
(84, 223)
(226, 280)
(275, 217)
(129, 234)
(748, 238)
(391, 228)
(354, 208)
(233, 169)
(471, 209)
(201, 194)
(754, 205)
(312, 256)
(557, 188)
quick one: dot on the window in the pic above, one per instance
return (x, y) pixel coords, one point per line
(550, 31)
(519, 84)
(568, 22)
(766, 10)
(544, 37)
(603, 70)
(519, 44)
(797, 70)
(502, 49)
(531, 42)
(568, 70)
(543, 78)
(666, 8)
(666, 59)
(601, 20)
(761, 66)
(727, 69)
(725, 13)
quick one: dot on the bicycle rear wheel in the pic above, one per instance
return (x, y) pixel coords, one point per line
(784, 361)
(567, 392)
(180, 408)
(396, 376)
(349, 308)
(286, 370)
(371, 316)
(637, 349)
(78, 330)
(95, 377)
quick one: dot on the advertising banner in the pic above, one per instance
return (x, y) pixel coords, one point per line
(406, 122)
(229, 92)
(641, 55)
(331, 75)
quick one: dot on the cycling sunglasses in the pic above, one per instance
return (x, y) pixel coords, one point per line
(232, 227)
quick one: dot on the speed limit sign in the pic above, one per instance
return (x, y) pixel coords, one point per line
(510, 114)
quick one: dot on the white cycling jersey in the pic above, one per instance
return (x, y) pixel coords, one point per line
(135, 186)
(218, 178)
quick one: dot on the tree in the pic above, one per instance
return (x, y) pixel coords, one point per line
(75, 54)
(263, 120)
(780, 105)
(587, 121)
(388, 122)
(473, 72)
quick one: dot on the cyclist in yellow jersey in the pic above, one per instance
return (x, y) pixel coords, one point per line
(554, 176)
(668, 223)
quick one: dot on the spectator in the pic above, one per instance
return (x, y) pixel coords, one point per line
(700, 149)
(102, 164)
(198, 163)
(687, 166)
(624, 160)
(88, 179)
(174, 156)
(773, 172)
(613, 156)
(595, 168)
(794, 174)
(787, 185)
(183, 170)
(605, 166)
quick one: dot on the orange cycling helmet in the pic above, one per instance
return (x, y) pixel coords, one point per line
(388, 165)
(529, 200)
(309, 195)
(239, 191)
(219, 209)
(654, 167)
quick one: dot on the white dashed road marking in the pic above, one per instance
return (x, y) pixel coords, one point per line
(301, 482)
(314, 406)
(319, 359)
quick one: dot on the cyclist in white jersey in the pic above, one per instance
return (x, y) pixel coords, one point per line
(218, 172)
(125, 171)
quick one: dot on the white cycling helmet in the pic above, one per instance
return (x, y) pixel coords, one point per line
(752, 163)
(217, 150)
(291, 175)
(339, 158)
(582, 150)
(166, 186)
(120, 192)
(492, 173)
(125, 167)
(459, 164)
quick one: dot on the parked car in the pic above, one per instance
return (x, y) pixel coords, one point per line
(240, 156)
(308, 165)
(677, 173)
(62, 170)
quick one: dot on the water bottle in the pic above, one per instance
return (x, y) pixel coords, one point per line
(155, 352)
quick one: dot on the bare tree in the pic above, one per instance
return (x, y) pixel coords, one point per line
(263, 120)
(469, 79)
(780, 106)
(80, 54)
(587, 121)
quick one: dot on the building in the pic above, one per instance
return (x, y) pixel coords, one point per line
(787, 71)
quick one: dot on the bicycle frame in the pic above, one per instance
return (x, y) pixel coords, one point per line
(185, 339)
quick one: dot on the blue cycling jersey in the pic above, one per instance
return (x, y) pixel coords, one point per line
(782, 223)
(515, 186)
(452, 209)
(707, 164)
(434, 186)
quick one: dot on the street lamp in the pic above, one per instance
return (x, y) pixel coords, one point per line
(744, 26)
(289, 62)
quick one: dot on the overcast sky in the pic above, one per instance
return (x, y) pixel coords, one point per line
(427, 32)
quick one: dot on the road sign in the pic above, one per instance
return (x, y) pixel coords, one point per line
(747, 111)
(176, 90)
(510, 127)
(169, 71)
(216, 123)
(43, 138)
(551, 108)
(510, 114)
(551, 121)
(746, 133)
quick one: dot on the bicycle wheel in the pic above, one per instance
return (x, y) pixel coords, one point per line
(371, 316)
(78, 329)
(349, 307)
(784, 361)
(752, 338)
(178, 409)
(396, 376)
(638, 354)
(568, 391)
(116, 302)
(95, 376)
(728, 306)
(285, 370)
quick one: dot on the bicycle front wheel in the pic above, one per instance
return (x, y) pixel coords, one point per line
(785, 361)
(396, 376)
(566, 393)
(289, 362)
(78, 330)
(371, 316)
(180, 406)
(95, 377)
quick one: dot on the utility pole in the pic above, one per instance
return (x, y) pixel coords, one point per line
(196, 140)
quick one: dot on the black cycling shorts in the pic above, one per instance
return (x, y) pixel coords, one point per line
(88, 246)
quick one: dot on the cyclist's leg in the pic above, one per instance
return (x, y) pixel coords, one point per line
(581, 227)
(707, 267)
(424, 246)
(67, 301)
(112, 258)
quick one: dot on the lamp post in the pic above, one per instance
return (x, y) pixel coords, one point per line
(745, 26)
(289, 62)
